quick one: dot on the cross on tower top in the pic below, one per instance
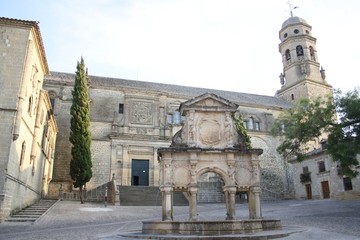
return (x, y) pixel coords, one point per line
(291, 7)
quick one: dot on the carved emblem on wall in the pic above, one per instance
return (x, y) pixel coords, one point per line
(181, 176)
(141, 113)
(209, 130)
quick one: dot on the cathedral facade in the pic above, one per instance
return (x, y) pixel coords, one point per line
(130, 119)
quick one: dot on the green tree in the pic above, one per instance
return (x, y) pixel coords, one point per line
(80, 135)
(310, 120)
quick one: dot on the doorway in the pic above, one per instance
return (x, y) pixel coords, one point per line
(308, 191)
(140, 172)
(325, 189)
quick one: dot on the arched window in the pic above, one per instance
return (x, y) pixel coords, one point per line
(312, 53)
(257, 126)
(299, 50)
(292, 96)
(52, 96)
(22, 154)
(287, 55)
(251, 123)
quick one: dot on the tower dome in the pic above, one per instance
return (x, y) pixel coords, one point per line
(293, 20)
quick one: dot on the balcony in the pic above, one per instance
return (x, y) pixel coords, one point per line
(305, 177)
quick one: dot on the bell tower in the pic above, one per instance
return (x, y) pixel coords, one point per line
(302, 76)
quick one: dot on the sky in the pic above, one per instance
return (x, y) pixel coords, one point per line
(218, 44)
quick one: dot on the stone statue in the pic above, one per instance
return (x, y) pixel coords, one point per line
(282, 78)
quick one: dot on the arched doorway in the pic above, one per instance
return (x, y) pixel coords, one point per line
(211, 188)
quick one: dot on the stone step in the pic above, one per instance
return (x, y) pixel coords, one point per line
(29, 213)
(32, 213)
(11, 219)
(26, 216)
(146, 196)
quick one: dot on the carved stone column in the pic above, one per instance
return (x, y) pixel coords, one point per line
(167, 203)
(254, 203)
(230, 202)
(193, 204)
(257, 202)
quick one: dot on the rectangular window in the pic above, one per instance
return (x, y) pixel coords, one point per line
(321, 166)
(347, 184)
(305, 169)
(257, 126)
(170, 119)
(121, 108)
(177, 117)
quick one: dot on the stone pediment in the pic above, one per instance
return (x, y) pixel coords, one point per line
(208, 102)
(209, 123)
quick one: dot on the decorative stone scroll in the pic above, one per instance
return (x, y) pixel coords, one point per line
(209, 142)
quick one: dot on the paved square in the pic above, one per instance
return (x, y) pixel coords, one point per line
(321, 219)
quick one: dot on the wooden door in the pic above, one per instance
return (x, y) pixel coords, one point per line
(325, 189)
(308, 191)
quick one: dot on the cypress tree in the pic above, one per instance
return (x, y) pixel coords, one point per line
(80, 135)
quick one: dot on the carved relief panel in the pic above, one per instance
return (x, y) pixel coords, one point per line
(141, 113)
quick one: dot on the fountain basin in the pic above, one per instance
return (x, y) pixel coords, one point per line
(210, 228)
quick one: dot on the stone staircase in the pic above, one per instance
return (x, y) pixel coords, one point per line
(33, 212)
(267, 195)
(146, 196)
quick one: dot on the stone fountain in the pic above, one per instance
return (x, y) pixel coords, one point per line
(212, 139)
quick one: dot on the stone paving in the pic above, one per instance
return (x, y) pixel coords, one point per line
(319, 219)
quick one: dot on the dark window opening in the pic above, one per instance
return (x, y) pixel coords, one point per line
(305, 169)
(321, 166)
(52, 102)
(299, 50)
(121, 108)
(347, 184)
(312, 53)
(30, 104)
(287, 55)
(292, 96)
(22, 155)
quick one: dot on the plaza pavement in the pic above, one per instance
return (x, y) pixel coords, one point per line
(316, 219)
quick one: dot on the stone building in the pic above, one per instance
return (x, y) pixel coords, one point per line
(319, 177)
(28, 128)
(130, 119)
